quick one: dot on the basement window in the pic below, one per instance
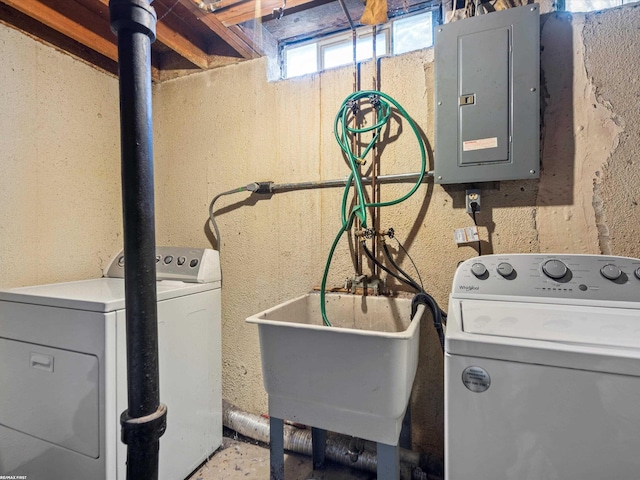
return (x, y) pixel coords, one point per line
(400, 35)
(593, 5)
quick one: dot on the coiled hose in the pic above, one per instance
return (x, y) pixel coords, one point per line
(382, 103)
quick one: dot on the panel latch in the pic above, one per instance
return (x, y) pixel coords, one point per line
(468, 99)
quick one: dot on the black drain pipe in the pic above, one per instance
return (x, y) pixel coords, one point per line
(144, 422)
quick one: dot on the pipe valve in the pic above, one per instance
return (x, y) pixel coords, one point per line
(366, 234)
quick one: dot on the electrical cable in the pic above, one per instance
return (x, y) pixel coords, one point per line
(259, 187)
(474, 209)
(442, 316)
(387, 253)
(380, 265)
(397, 267)
(382, 103)
(439, 317)
(412, 262)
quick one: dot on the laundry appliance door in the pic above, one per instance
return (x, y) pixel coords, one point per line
(541, 391)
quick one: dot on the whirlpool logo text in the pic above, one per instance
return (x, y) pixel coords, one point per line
(468, 288)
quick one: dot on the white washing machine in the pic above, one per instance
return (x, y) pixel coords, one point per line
(63, 371)
(542, 369)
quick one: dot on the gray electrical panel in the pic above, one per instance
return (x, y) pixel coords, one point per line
(487, 79)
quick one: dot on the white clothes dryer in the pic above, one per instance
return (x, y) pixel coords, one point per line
(63, 371)
(542, 368)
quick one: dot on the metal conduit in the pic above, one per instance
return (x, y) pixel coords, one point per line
(341, 182)
(413, 465)
(270, 188)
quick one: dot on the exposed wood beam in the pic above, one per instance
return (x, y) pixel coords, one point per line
(12, 18)
(239, 12)
(70, 28)
(234, 37)
(181, 45)
(51, 18)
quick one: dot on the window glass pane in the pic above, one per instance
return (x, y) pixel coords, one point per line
(364, 47)
(590, 5)
(338, 54)
(342, 53)
(415, 32)
(301, 60)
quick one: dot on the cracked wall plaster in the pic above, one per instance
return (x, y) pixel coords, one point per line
(580, 135)
(612, 40)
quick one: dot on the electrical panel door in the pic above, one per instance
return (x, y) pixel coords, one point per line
(487, 97)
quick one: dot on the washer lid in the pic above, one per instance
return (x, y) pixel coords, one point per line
(597, 326)
(97, 295)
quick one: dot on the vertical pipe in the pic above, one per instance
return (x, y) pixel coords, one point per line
(276, 448)
(388, 461)
(374, 159)
(356, 137)
(318, 447)
(144, 421)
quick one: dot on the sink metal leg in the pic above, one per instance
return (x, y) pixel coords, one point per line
(405, 433)
(318, 447)
(276, 448)
(388, 462)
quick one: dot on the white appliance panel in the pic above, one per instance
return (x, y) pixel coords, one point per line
(542, 369)
(81, 325)
(190, 382)
(539, 422)
(51, 394)
(615, 327)
(97, 295)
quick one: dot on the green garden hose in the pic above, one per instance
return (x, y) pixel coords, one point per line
(382, 103)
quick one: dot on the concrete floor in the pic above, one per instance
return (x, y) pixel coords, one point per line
(238, 460)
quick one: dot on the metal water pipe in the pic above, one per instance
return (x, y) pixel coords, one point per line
(144, 421)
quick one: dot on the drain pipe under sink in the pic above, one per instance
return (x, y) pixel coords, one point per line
(413, 465)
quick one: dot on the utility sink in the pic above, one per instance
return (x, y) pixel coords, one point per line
(354, 377)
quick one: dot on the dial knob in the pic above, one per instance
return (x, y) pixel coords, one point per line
(638, 273)
(478, 269)
(611, 272)
(554, 269)
(505, 269)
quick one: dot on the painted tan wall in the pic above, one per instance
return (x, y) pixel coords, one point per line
(59, 165)
(228, 127)
(217, 130)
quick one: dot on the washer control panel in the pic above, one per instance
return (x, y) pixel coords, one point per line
(590, 277)
(196, 265)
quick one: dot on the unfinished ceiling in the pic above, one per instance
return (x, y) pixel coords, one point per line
(191, 35)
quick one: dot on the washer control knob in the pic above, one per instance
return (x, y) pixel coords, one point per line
(505, 269)
(611, 272)
(181, 260)
(478, 269)
(554, 269)
(638, 273)
(168, 259)
(121, 261)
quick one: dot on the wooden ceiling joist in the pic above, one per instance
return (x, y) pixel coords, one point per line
(179, 44)
(233, 13)
(190, 35)
(234, 38)
(53, 19)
